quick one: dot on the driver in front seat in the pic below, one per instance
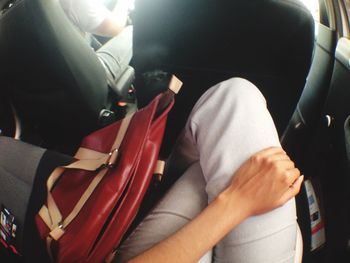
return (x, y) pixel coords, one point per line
(91, 16)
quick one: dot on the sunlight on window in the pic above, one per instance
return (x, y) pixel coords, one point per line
(131, 4)
(313, 6)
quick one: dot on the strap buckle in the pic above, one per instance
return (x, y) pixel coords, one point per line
(112, 158)
(57, 232)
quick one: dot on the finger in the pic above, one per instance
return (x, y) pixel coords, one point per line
(279, 157)
(292, 175)
(270, 151)
(279, 167)
(292, 191)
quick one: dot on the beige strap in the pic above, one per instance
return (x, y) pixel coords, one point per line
(122, 131)
(159, 170)
(175, 84)
(54, 213)
(44, 214)
(88, 154)
(88, 164)
(58, 229)
(160, 165)
(57, 232)
(94, 183)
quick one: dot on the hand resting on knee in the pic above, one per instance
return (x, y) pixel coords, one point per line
(267, 180)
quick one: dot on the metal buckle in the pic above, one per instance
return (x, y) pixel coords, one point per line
(112, 158)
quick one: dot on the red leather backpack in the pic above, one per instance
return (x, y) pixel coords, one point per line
(92, 202)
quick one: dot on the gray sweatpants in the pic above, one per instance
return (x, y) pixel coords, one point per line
(116, 54)
(18, 165)
(228, 124)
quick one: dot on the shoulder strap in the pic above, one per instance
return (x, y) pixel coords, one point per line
(175, 84)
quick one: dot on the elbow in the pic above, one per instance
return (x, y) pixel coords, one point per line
(109, 28)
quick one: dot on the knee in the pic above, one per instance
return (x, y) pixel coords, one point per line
(232, 95)
(240, 90)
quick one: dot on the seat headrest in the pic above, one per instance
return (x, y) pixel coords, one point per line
(235, 36)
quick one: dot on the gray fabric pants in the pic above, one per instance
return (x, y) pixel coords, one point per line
(18, 164)
(116, 54)
(228, 124)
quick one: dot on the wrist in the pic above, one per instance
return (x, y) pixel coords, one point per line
(235, 208)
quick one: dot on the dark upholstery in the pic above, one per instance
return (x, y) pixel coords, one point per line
(269, 42)
(53, 76)
(308, 112)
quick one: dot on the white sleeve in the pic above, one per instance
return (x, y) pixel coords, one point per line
(88, 14)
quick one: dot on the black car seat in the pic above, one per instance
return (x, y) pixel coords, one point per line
(304, 137)
(326, 163)
(268, 42)
(331, 157)
(309, 108)
(51, 73)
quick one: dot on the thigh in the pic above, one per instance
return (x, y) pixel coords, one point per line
(230, 123)
(265, 238)
(18, 164)
(24, 169)
(183, 201)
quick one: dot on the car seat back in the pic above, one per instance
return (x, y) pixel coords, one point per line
(266, 41)
(54, 77)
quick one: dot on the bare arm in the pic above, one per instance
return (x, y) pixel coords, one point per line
(264, 182)
(121, 10)
(115, 22)
(110, 27)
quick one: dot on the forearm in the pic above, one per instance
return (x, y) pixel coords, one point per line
(110, 27)
(120, 12)
(191, 242)
(265, 181)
